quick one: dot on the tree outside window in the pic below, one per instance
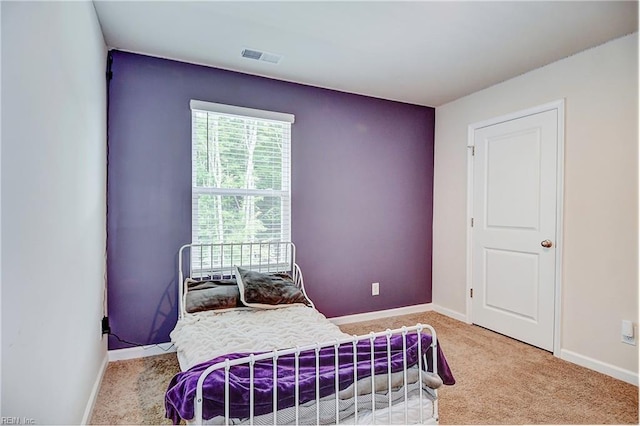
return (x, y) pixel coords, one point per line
(241, 178)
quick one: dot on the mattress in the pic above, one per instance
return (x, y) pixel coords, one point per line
(202, 336)
(400, 413)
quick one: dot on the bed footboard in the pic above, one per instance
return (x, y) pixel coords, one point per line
(386, 377)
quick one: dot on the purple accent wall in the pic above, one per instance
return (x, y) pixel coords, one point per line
(362, 190)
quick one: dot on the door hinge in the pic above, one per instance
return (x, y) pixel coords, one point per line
(473, 150)
(471, 293)
(472, 222)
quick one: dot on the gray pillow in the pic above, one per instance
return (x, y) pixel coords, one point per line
(268, 291)
(212, 295)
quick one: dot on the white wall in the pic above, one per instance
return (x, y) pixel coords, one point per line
(0, 216)
(53, 208)
(600, 277)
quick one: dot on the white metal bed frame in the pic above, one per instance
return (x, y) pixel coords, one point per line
(280, 257)
(218, 260)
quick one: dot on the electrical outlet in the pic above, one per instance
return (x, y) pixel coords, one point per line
(628, 333)
(629, 340)
(105, 325)
(375, 289)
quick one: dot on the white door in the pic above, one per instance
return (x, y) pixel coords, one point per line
(514, 227)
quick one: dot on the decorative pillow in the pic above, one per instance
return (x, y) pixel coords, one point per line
(268, 291)
(212, 295)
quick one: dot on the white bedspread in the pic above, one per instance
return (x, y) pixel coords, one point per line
(202, 336)
(205, 335)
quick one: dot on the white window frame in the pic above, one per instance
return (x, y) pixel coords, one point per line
(263, 115)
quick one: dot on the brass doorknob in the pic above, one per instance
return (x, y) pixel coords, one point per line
(546, 243)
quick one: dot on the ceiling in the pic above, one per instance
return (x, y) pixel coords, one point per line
(421, 52)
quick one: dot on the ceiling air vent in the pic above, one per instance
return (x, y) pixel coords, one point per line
(251, 54)
(261, 56)
(270, 57)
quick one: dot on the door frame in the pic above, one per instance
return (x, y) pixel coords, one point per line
(557, 105)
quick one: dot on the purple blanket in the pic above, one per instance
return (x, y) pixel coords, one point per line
(180, 396)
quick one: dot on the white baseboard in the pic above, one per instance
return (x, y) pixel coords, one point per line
(141, 351)
(88, 411)
(450, 313)
(599, 366)
(368, 316)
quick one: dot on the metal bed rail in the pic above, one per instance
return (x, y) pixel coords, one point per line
(353, 340)
(203, 261)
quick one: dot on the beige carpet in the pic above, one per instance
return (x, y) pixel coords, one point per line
(499, 381)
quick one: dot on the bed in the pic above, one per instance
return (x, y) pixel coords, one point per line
(253, 349)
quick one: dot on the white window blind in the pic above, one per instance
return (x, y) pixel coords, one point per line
(241, 174)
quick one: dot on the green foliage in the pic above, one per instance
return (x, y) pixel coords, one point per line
(233, 154)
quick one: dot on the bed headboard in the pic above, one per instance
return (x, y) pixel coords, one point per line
(218, 260)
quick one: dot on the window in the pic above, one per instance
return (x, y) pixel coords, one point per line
(241, 184)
